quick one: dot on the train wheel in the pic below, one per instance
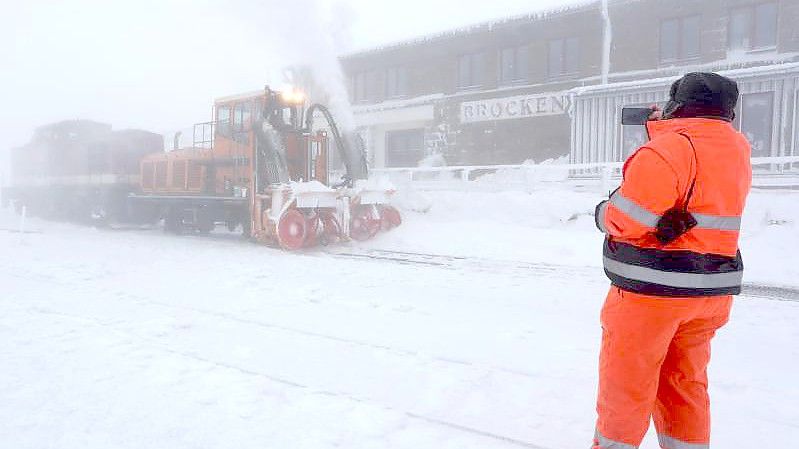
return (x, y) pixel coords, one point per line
(246, 228)
(390, 218)
(312, 226)
(331, 229)
(205, 221)
(292, 230)
(363, 225)
(205, 228)
(99, 217)
(173, 222)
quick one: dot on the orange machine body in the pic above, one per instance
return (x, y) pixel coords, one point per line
(260, 164)
(222, 157)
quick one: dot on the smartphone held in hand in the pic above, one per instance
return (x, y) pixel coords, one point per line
(635, 116)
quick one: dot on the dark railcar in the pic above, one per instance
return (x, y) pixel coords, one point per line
(79, 170)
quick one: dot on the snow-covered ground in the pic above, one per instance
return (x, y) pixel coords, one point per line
(137, 339)
(554, 226)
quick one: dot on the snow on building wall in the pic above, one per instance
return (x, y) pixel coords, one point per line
(767, 113)
(517, 89)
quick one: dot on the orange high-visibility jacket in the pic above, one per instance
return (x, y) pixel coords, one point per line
(713, 157)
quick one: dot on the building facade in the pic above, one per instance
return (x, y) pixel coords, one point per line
(552, 84)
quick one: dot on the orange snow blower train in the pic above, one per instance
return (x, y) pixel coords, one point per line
(260, 166)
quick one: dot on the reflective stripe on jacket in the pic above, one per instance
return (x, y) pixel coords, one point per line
(705, 261)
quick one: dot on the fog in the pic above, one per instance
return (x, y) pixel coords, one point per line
(157, 65)
(531, 225)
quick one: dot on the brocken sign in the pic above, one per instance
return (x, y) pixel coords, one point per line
(521, 106)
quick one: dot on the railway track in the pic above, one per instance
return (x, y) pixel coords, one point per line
(480, 264)
(750, 290)
(475, 264)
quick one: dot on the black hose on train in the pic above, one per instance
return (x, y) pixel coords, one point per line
(354, 158)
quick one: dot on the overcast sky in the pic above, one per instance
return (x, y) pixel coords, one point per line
(158, 64)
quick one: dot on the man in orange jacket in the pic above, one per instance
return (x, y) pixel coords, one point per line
(671, 253)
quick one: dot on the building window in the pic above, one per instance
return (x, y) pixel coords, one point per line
(374, 88)
(396, 82)
(679, 39)
(404, 148)
(564, 57)
(513, 65)
(756, 121)
(366, 86)
(471, 68)
(359, 87)
(753, 27)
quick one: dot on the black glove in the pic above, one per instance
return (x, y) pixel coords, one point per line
(674, 223)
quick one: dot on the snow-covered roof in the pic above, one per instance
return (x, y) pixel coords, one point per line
(240, 96)
(397, 104)
(575, 5)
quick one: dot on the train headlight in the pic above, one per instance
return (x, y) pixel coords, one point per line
(292, 96)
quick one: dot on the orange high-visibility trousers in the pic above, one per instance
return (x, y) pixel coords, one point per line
(653, 363)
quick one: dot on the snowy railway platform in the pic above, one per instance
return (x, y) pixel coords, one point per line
(451, 332)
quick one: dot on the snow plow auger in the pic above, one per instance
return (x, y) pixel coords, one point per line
(263, 166)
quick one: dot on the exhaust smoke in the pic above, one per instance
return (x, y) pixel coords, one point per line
(304, 39)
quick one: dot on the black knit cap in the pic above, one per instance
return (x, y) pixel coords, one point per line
(701, 94)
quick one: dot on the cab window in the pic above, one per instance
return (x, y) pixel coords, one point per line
(241, 117)
(241, 123)
(223, 127)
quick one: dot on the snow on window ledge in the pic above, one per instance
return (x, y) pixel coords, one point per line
(671, 62)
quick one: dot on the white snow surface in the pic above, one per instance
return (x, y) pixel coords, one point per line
(556, 226)
(139, 339)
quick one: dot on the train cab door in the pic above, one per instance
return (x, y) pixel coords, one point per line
(243, 148)
(318, 163)
(234, 145)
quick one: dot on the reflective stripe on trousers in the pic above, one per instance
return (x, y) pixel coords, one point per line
(649, 219)
(667, 442)
(607, 443)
